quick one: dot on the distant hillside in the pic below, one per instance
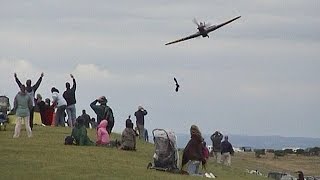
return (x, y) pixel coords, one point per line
(272, 142)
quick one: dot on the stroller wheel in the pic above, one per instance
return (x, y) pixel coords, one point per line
(149, 165)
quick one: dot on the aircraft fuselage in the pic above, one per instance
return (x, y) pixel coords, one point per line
(203, 32)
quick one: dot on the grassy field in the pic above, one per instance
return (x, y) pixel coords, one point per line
(44, 156)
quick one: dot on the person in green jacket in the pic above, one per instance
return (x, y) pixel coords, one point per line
(79, 133)
(22, 106)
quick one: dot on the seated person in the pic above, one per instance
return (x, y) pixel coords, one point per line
(128, 138)
(103, 137)
(79, 133)
(193, 153)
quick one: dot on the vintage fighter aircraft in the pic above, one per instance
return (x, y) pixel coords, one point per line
(203, 30)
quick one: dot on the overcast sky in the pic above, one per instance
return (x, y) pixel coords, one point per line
(258, 75)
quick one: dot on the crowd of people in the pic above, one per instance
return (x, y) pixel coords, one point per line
(196, 152)
(64, 105)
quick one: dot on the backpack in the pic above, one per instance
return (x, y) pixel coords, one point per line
(108, 114)
(68, 140)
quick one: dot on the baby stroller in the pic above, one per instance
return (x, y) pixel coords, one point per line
(166, 155)
(4, 108)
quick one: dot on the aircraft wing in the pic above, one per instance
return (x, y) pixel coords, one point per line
(186, 38)
(214, 27)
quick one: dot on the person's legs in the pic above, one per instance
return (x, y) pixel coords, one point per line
(69, 120)
(193, 167)
(141, 131)
(218, 156)
(31, 117)
(28, 128)
(17, 127)
(228, 159)
(73, 114)
(223, 159)
(60, 115)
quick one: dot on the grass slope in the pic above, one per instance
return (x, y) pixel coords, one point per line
(44, 156)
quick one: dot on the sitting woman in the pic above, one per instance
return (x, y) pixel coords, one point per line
(79, 133)
(103, 137)
(193, 153)
(128, 138)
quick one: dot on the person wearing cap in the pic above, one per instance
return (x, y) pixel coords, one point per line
(226, 151)
(140, 121)
(103, 112)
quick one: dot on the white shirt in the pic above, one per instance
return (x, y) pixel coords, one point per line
(58, 99)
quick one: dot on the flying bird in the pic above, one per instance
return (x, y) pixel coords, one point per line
(177, 85)
(203, 30)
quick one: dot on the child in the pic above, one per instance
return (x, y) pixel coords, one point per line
(103, 137)
(205, 150)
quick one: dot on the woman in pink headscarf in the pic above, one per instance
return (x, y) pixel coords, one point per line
(102, 133)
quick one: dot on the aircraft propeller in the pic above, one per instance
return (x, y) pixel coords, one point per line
(196, 22)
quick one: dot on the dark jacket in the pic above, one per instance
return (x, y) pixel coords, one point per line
(216, 139)
(87, 119)
(140, 116)
(103, 112)
(99, 110)
(226, 147)
(193, 150)
(70, 94)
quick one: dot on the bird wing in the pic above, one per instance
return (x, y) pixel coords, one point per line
(175, 80)
(185, 38)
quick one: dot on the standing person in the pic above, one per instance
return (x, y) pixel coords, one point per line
(86, 118)
(103, 112)
(22, 106)
(226, 151)
(61, 105)
(70, 96)
(146, 135)
(41, 104)
(216, 139)
(140, 120)
(31, 90)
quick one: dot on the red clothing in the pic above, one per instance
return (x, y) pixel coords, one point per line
(205, 152)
